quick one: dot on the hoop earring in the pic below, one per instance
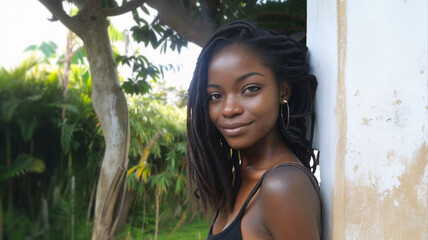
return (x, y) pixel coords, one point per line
(288, 115)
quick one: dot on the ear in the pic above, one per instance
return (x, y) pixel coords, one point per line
(284, 92)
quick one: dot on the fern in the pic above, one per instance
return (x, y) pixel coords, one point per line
(23, 164)
(67, 132)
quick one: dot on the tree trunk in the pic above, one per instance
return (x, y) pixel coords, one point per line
(110, 106)
(90, 24)
(127, 203)
(45, 215)
(112, 111)
(143, 225)
(67, 68)
(91, 202)
(9, 193)
(73, 208)
(8, 165)
(158, 195)
(1, 218)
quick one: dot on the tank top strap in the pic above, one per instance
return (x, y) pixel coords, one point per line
(234, 228)
(292, 164)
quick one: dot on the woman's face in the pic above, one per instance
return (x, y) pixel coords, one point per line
(244, 97)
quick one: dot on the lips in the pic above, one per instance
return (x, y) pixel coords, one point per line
(234, 129)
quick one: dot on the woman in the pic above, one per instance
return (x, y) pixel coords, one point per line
(250, 127)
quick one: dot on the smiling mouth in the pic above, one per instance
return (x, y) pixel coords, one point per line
(235, 130)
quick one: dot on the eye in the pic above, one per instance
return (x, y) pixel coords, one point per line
(215, 96)
(251, 89)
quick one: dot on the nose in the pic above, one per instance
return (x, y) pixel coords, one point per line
(232, 107)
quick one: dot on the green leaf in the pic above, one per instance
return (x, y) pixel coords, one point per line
(70, 107)
(135, 87)
(8, 108)
(27, 127)
(178, 186)
(114, 34)
(30, 48)
(22, 164)
(85, 77)
(67, 132)
(78, 57)
(53, 44)
(145, 10)
(48, 49)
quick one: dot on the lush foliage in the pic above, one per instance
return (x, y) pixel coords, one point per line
(50, 149)
(51, 144)
(182, 229)
(50, 161)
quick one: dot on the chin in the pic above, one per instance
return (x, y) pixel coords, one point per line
(238, 144)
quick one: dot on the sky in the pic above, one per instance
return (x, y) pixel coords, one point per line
(25, 22)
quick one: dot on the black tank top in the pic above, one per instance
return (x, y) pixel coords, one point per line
(233, 231)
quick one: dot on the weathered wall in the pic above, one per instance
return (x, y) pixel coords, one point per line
(370, 58)
(322, 43)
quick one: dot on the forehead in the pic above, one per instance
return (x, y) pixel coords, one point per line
(232, 53)
(235, 62)
(234, 58)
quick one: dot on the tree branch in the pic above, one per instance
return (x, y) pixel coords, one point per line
(184, 20)
(72, 54)
(57, 10)
(127, 7)
(79, 3)
(290, 15)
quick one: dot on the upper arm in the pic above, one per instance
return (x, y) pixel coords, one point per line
(291, 206)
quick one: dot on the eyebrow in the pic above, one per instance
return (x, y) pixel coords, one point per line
(239, 79)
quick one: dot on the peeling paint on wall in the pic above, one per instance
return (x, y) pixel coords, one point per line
(365, 121)
(375, 177)
(340, 111)
(399, 213)
(356, 93)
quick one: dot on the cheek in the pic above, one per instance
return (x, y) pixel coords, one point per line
(270, 114)
(212, 113)
(266, 106)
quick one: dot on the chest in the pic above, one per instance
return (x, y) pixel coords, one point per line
(245, 216)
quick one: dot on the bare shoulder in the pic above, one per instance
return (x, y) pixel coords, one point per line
(291, 204)
(280, 180)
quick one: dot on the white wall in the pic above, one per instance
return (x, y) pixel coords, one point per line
(322, 43)
(370, 58)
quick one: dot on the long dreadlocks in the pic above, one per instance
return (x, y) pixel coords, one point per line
(212, 164)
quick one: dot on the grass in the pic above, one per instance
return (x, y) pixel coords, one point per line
(196, 229)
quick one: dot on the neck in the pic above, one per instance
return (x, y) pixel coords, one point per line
(267, 153)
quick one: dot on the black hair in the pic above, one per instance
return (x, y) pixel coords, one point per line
(210, 160)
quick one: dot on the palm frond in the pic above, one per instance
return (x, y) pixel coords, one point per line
(23, 164)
